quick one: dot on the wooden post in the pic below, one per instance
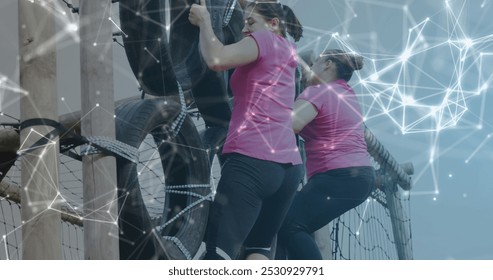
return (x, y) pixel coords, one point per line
(99, 170)
(41, 223)
(402, 235)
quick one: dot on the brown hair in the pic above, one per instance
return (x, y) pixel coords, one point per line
(288, 21)
(346, 63)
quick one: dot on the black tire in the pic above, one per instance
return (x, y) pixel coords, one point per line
(146, 45)
(158, 63)
(183, 161)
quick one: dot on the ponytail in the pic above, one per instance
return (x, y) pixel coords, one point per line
(346, 62)
(292, 24)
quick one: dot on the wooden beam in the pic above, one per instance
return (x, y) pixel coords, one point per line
(12, 192)
(39, 179)
(97, 102)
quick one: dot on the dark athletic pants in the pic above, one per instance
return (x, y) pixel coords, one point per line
(252, 199)
(325, 197)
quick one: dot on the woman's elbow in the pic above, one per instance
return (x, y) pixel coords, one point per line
(217, 68)
(216, 65)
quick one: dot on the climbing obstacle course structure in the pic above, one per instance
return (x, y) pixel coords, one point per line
(163, 149)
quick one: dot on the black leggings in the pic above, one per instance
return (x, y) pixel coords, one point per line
(325, 197)
(252, 199)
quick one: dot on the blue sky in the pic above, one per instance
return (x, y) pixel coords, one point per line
(425, 91)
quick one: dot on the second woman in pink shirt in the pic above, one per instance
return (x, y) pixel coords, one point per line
(340, 174)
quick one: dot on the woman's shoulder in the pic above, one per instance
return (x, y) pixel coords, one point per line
(314, 93)
(325, 92)
(271, 36)
(262, 34)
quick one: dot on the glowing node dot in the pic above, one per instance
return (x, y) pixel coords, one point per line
(72, 27)
(450, 175)
(464, 195)
(97, 104)
(405, 56)
(434, 199)
(468, 42)
(357, 233)
(272, 151)
(94, 44)
(63, 98)
(4, 236)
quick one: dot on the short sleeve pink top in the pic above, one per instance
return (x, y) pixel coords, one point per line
(264, 91)
(335, 138)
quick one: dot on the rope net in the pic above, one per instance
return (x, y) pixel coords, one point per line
(365, 232)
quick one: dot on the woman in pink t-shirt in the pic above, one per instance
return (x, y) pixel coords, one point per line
(340, 175)
(263, 167)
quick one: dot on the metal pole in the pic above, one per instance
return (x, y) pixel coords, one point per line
(99, 170)
(402, 235)
(41, 222)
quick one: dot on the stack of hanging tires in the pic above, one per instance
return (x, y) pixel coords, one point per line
(162, 48)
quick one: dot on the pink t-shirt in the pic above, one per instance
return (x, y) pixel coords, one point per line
(264, 93)
(335, 138)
